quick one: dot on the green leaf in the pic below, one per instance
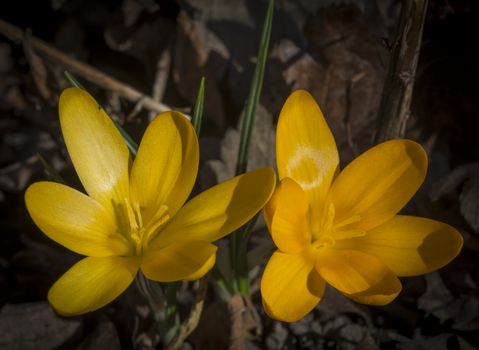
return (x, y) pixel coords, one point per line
(197, 117)
(132, 145)
(72, 80)
(255, 92)
(242, 263)
(239, 239)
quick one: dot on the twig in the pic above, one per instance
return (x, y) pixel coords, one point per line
(161, 76)
(347, 119)
(193, 319)
(394, 109)
(86, 71)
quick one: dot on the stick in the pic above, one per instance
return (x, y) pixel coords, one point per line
(161, 76)
(394, 109)
(86, 71)
(193, 319)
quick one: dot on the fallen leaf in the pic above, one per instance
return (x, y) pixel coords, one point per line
(235, 325)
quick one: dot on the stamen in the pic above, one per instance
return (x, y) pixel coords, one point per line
(351, 220)
(136, 206)
(324, 241)
(161, 217)
(139, 234)
(132, 218)
(348, 234)
(330, 217)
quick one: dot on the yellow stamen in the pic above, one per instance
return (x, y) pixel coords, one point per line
(348, 234)
(132, 218)
(323, 242)
(330, 217)
(161, 217)
(351, 220)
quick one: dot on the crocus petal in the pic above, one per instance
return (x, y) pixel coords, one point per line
(377, 184)
(351, 271)
(290, 224)
(179, 261)
(290, 287)
(305, 148)
(270, 208)
(381, 293)
(96, 148)
(166, 165)
(219, 210)
(74, 220)
(409, 245)
(91, 283)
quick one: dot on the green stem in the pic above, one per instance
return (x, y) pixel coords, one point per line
(172, 320)
(242, 264)
(224, 289)
(153, 295)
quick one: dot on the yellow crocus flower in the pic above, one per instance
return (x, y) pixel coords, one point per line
(342, 228)
(134, 217)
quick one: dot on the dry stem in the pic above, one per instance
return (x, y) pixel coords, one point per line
(84, 70)
(193, 319)
(395, 104)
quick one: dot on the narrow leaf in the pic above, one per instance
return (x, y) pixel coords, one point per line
(255, 92)
(197, 117)
(239, 239)
(72, 80)
(132, 145)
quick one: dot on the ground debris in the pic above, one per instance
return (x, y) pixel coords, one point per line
(36, 326)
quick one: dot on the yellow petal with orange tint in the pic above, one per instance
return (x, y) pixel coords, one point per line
(410, 245)
(351, 271)
(270, 208)
(290, 225)
(96, 148)
(290, 287)
(379, 183)
(91, 283)
(305, 149)
(381, 293)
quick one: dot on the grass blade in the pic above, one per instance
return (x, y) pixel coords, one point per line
(238, 240)
(72, 80)
(255, 92)
(132, 145)
(197, 117)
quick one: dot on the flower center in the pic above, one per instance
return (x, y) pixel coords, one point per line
(140, 232)
(331, 231)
